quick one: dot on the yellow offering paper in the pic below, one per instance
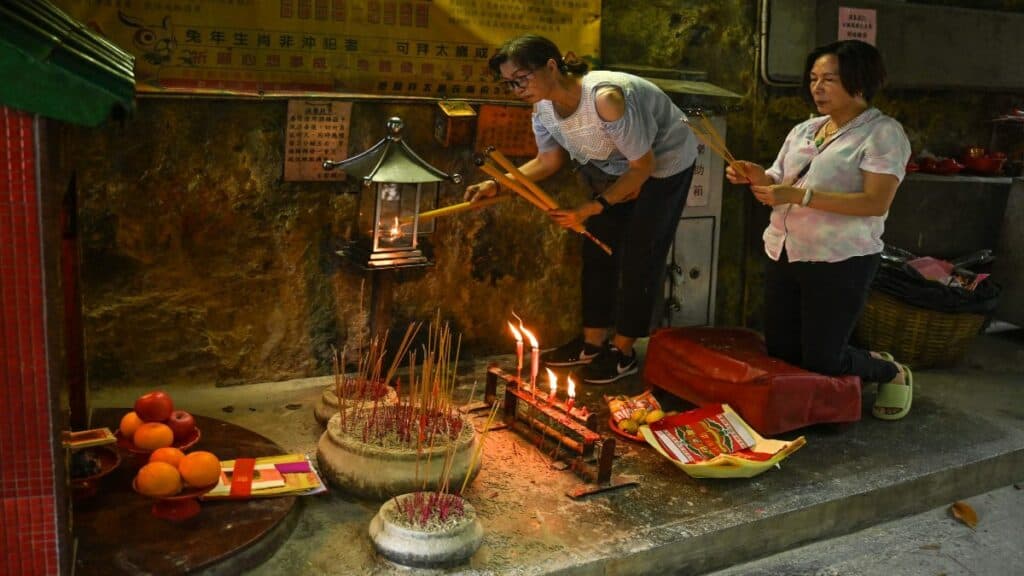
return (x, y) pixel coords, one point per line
(715, 442)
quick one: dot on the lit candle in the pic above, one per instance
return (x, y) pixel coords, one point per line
(519, 351)
(571, 400)
(553, 383)
(534, 358)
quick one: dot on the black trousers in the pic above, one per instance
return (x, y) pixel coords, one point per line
(620, 290)
(811, 309)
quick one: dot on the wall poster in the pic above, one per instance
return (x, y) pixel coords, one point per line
(507, 128)
(317, 130)
(857, 24)
(431, 48)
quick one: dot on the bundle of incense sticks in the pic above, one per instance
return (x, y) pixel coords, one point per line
(705, 131)
(526, 188)
(455, 208)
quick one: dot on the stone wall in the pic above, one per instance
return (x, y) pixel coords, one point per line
(200, 264)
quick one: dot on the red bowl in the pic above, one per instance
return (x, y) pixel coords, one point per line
(84, 487)
(985, 165)
(140, 456)
(947, 167)
(178, 507)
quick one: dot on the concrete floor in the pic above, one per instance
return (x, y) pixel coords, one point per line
(964, 437)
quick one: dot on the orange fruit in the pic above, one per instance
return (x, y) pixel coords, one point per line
(158, 479)
(130, 422)
(153, 435)
(168, 454)
(200, 468)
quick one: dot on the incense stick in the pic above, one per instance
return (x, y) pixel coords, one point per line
(455, 208)
(507, 182)
(540, 198)
(709, 136)
(507, 164)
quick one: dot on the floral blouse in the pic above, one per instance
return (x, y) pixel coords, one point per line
(871, 142)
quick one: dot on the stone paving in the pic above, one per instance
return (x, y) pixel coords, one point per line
(964, 436)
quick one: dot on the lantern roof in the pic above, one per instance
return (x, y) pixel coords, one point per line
(392, 160)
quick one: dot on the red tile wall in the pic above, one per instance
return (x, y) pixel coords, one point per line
(28, 515)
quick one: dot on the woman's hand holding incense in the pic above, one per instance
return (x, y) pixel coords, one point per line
(481, 190)
(575, 217)
(775, 194)
(743, 172)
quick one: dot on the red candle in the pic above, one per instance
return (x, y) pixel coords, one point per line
(534, 358)
(519, 351)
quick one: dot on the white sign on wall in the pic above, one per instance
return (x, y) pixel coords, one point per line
(857, 24)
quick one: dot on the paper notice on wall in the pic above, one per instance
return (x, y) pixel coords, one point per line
(317, 130)
(700, 186)
(507, 128)
(857, 24)
(701, 182)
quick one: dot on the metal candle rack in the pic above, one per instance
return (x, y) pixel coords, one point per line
(531, 413)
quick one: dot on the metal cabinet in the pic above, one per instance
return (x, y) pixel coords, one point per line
(1008, 268)
(692, 276)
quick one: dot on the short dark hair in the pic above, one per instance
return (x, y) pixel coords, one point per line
(861, 69)
(533, 52)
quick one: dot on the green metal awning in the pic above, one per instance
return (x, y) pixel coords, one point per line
(54, 66)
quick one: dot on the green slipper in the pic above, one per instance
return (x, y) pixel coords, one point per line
(894, 395)
(885, 356)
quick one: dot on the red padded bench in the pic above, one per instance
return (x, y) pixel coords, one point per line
(729, 365)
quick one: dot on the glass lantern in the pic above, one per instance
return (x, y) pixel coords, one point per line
(396, 183)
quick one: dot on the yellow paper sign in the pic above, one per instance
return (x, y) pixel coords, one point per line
(431, 48)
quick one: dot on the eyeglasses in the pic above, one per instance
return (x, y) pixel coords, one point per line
(518, 82)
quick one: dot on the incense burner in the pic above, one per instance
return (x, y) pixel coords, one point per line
(370, 470)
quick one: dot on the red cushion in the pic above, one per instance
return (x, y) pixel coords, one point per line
(730, 365)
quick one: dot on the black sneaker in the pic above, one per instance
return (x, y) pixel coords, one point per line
(609, 366)
(572, 353)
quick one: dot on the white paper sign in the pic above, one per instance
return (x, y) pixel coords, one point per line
(701, 183)
(857, 24)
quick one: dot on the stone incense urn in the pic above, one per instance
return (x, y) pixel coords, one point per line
(368, 469)
(433, 544)
(327, 404)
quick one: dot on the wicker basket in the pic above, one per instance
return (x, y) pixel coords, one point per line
(916, 336)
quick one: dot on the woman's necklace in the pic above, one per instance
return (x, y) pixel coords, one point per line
(827, 131)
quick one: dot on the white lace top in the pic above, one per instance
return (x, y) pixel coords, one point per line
(651, 122)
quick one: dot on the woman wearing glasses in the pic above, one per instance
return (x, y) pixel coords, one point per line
(636, 158)
(830, 190)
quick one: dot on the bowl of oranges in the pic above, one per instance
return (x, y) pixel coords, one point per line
(153, 424)
(176, 480)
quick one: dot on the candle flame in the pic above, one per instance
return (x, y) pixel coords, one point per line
(516, 316)
(515, 333)
(396, 230)
(529, 336)
(552, 381)
(572, 388)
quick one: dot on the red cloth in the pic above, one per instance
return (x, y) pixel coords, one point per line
(728, 365)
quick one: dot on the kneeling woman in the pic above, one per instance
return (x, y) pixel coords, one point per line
(830, 189)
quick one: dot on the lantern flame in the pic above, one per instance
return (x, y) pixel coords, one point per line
(396, 230)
